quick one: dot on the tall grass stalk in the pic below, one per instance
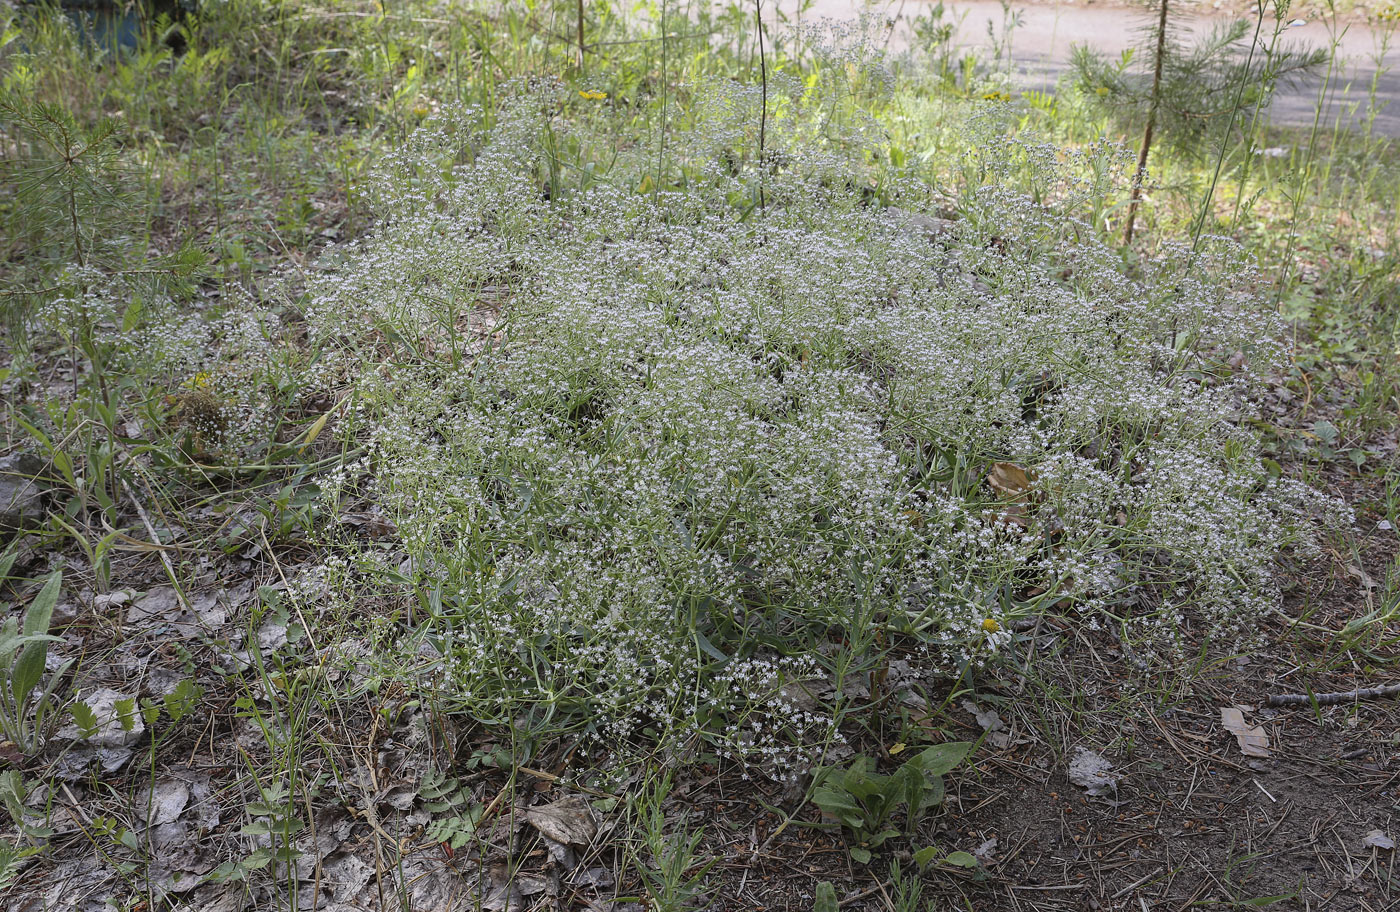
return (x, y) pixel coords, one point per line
(1303, 181)
(1198, 225)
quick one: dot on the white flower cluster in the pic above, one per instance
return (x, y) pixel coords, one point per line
(691, 433)
(753, 718)
(238, 362)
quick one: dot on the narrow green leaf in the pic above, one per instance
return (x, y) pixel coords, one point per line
(709, 648)
(40, 613)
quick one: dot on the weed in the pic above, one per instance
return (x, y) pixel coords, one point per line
(28, 710)
(864, 801)
(673, 874)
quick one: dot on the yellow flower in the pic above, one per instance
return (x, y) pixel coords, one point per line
(990, 625)
(420, 110)
(593, 96)
(200, 381)
(996, 96)
(1101, 91)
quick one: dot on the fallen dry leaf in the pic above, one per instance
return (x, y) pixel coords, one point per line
(501, 893)
(167, 800)
(1253, 740)
(1009, 479)
(1377, 839)
(1093, 773)
(568, 821)
(991, 723)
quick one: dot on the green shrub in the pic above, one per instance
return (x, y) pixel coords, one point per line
(655, 456)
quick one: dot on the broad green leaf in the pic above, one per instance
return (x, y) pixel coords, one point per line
(880, 837)
(287, 827)
(925, 855)
(961, 859)
(933, 795)
(912, 791)
(840, 807)
(12, 790)
(861, 785)
(27, 671)
(825, 900)
(126, 713)
(10, 640)
(941, 758)
(860, 855)
(182, 699)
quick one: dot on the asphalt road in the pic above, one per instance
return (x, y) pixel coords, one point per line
(1045, 33)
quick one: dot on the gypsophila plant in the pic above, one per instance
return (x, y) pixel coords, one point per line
(654, 453)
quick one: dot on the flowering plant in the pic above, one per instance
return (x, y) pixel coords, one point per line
(633, 440)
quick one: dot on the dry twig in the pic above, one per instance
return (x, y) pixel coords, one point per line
(1332, 699)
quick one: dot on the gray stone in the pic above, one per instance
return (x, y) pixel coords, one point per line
(21, 497)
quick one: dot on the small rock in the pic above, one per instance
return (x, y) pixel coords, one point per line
(64, 614)
(21, 497)
(166, 801)
(116, 727)
(597, 877)
(112, 599)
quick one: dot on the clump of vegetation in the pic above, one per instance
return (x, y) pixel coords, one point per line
(421, 411)
(681, 443)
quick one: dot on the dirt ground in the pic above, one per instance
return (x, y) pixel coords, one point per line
(1192, 821)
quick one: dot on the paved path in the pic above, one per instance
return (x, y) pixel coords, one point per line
(1040, 49)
